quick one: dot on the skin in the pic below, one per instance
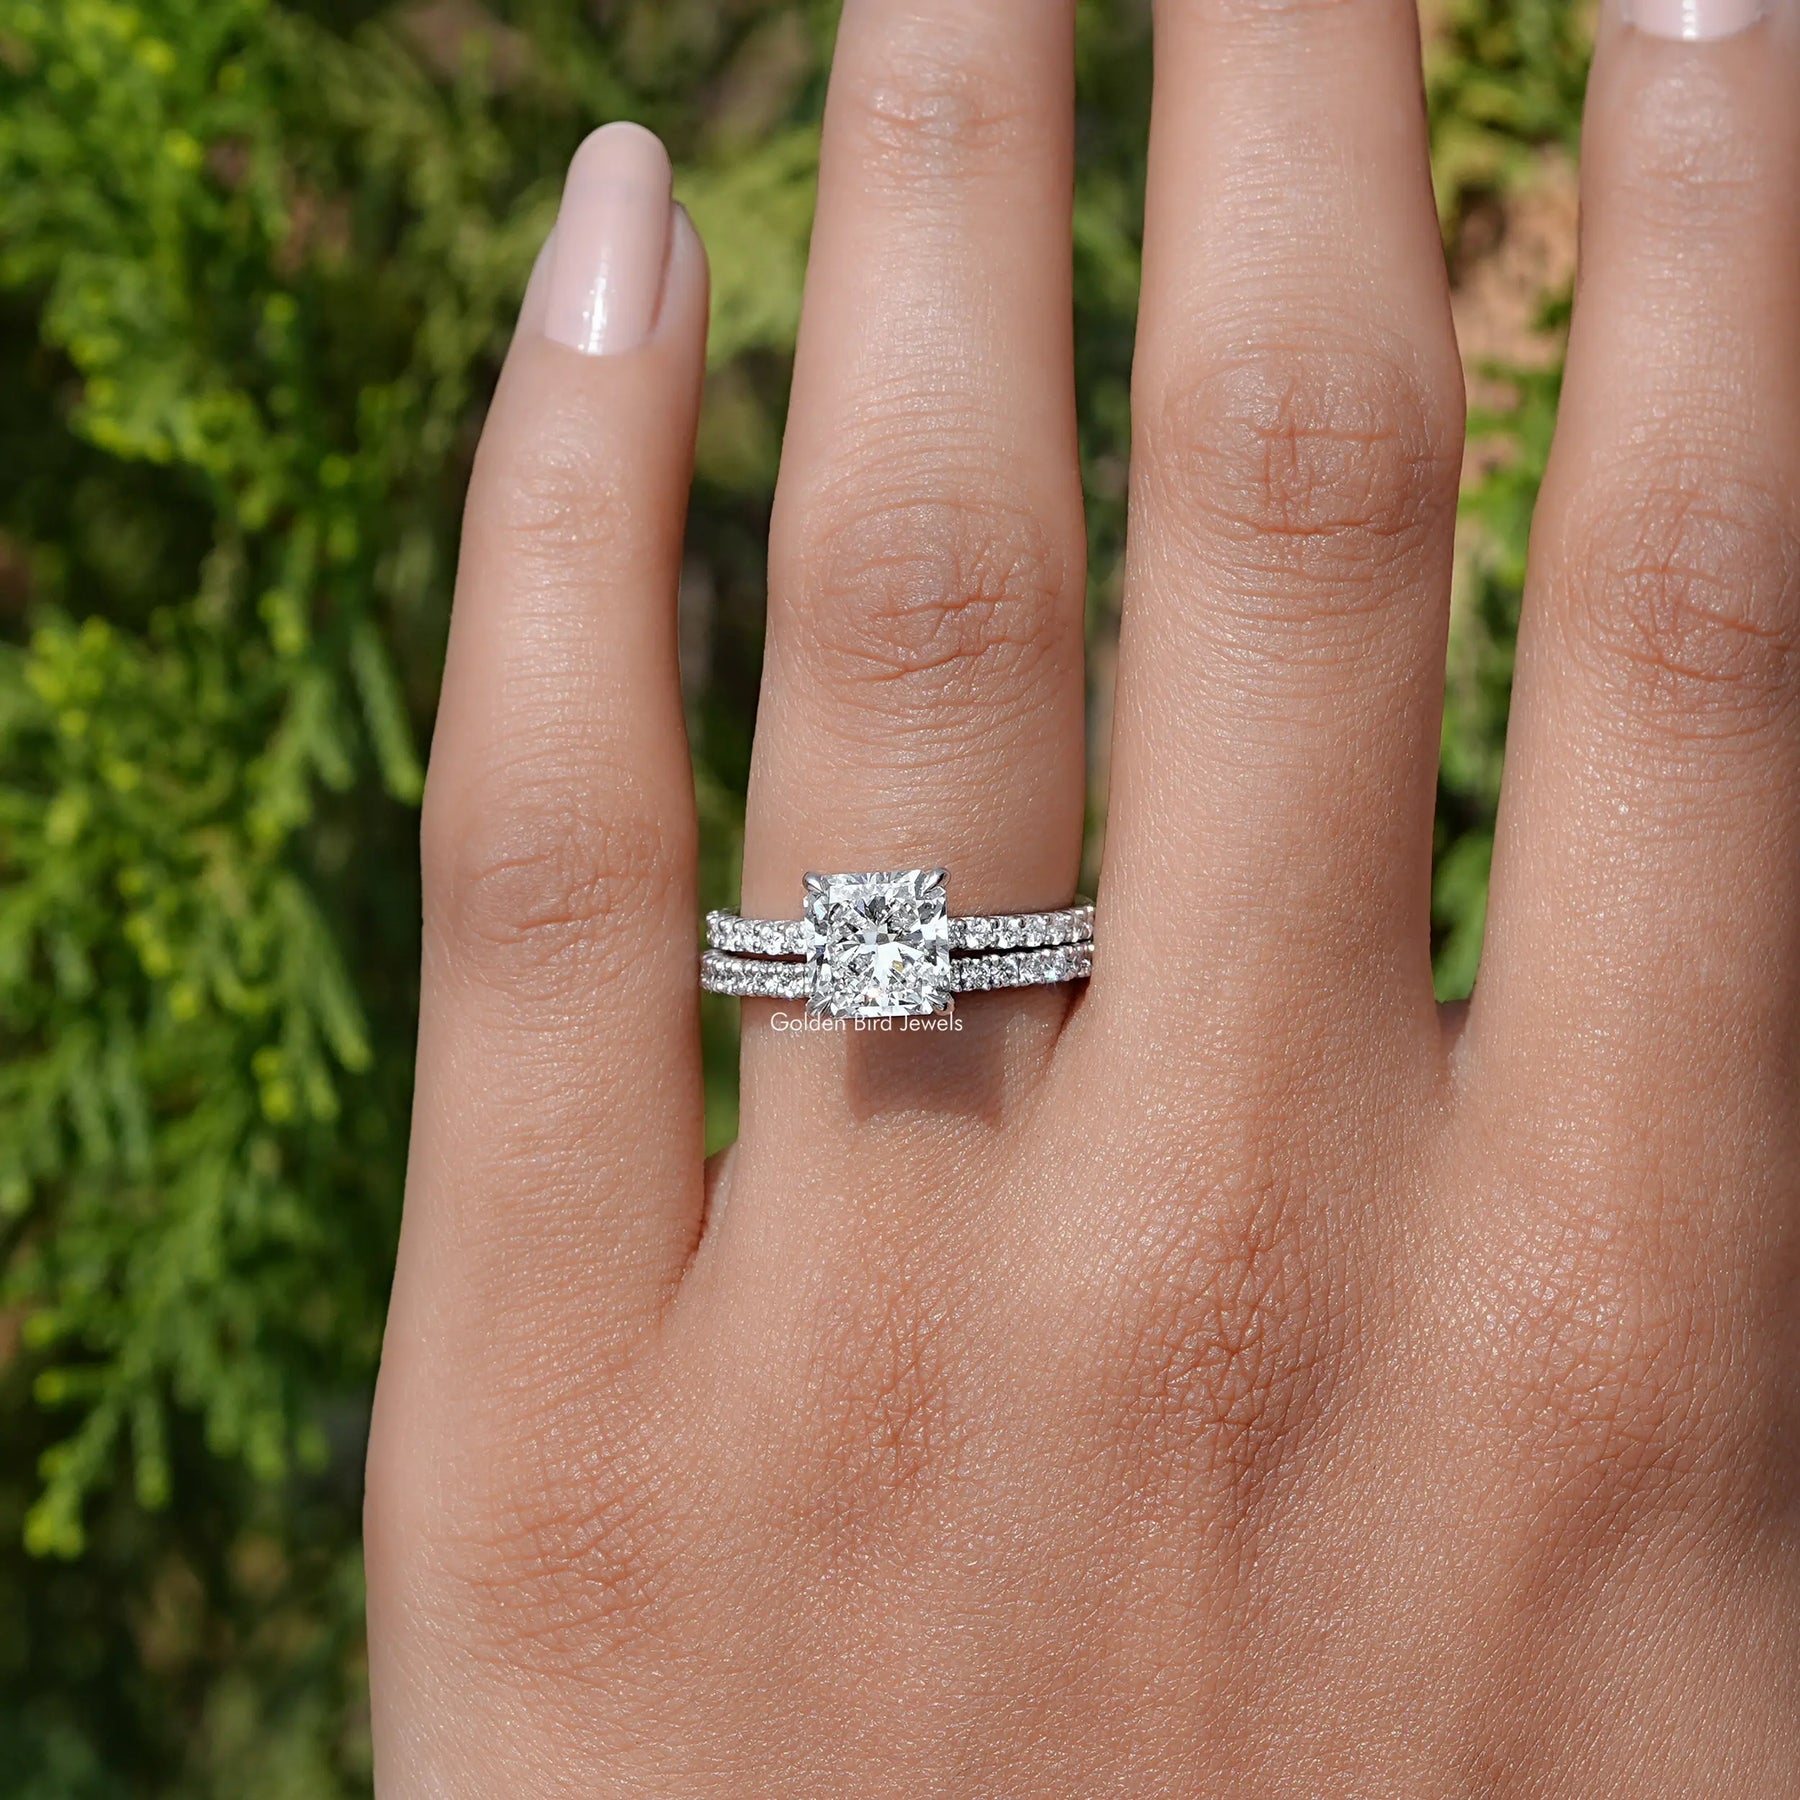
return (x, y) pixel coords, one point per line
(1243, 1379)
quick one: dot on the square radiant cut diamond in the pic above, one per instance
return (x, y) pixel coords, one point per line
(878, 946)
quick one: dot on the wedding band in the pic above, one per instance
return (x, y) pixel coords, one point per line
(886, 946)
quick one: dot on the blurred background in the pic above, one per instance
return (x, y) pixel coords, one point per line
(258, 262)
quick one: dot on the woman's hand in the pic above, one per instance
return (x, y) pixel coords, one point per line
(1243, 1380)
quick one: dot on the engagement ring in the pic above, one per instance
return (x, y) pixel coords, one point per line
(886, 946)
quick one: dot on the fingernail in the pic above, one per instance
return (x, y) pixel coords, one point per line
(1693, 20)
(611, 243)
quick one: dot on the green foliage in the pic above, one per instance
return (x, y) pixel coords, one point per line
(1507, 78)
(1505, 85)
(258, 262)
(1478, 693)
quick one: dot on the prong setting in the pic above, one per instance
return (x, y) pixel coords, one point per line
(885, 946)
(878, 946)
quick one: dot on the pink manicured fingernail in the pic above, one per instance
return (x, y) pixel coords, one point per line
(611, 243)
(1694, 20)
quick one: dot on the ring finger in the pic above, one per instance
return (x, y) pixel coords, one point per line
(923, 694)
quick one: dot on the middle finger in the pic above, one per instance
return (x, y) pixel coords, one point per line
(1299, 435)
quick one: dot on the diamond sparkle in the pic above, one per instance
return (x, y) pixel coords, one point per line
(878, 946)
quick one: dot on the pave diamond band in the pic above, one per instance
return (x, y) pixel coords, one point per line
(1007, 931)
(885, 946)
(750, 978)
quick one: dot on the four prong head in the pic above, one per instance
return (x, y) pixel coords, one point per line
(878, 946)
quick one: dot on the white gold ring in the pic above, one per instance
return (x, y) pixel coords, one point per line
(886, 946)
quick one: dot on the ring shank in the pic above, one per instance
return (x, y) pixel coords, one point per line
(748, 978)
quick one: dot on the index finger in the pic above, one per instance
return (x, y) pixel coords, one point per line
(555, 1186)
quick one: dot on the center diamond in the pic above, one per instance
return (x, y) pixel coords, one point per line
(878, 946)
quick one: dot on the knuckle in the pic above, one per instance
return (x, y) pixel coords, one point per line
(1686, 144)
(883, 1433)
(1223, 1347)
(555, 1564)
(1299, 467)
(555, 497)
(940, 600)
(1612, 1366)
(1601, 1383)
(549, 886)
(1683, 590)
(933, 108)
